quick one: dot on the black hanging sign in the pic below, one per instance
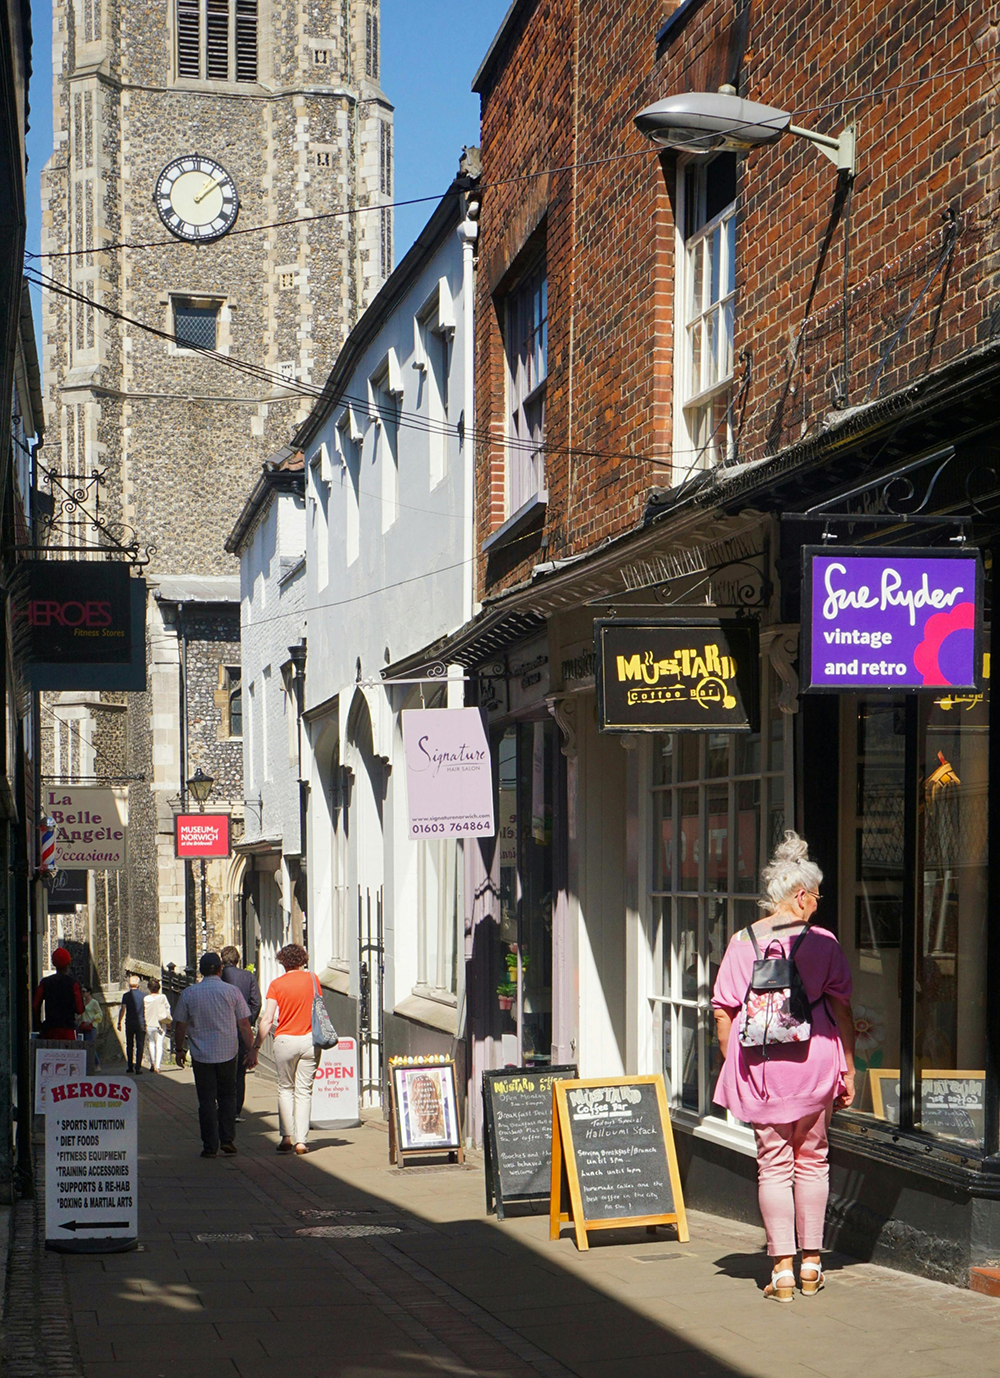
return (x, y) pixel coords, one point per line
(677, 676)
(76, 612)
(517, 1109)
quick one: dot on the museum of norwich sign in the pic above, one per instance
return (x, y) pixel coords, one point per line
(670, 675)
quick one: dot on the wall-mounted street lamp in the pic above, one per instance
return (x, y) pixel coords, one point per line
(200, 787)
(709, 122)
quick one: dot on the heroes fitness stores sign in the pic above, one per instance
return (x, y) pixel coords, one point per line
(891, 619)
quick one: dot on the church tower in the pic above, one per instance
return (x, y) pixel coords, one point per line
(212, 232)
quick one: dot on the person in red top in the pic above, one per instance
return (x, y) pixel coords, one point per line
(62, 997)
(289, 1007)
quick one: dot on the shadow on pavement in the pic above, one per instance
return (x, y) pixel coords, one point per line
(278, 1266)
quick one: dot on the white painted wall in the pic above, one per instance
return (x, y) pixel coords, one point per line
(388, 540)
(272, 618)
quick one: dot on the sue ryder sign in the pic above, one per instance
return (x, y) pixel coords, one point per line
(885, 618)
(449, 777)
(669, 675)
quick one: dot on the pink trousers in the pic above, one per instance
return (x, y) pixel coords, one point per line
(793, 1182)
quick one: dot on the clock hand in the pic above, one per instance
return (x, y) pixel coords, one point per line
(205, 190)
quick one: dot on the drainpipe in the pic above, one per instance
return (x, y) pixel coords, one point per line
(468, 233)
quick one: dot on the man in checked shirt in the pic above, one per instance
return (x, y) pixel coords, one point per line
(213, 1017)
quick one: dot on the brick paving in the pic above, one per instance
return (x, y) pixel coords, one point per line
(337, 1265)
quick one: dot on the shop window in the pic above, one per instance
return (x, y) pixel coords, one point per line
(438, 912)
(525, 312)
(526, 761)
(706, 295)
(918, 947)
(217, 39)
(718, 808)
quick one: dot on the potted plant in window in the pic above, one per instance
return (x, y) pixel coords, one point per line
(506, 994)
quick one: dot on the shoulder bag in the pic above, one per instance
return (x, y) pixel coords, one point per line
(324, 1035)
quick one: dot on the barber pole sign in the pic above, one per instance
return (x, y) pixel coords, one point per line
(47, 846)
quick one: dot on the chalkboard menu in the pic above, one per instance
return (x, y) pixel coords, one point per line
(517, 1108)
(952, 1104)
(612, 1139)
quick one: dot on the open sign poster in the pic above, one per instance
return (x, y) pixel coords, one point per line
(670, 675)
(335, 1087)
(882, 618)
(449, 778)
(91, 1165)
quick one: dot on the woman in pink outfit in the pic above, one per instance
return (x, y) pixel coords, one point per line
(788, 1091)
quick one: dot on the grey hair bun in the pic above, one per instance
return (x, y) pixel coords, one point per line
(788, 871)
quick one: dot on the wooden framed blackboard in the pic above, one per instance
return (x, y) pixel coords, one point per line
(952, 1103)
(517, 1114)
(613, 1145)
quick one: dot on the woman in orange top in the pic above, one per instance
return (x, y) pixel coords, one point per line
(289, 1006)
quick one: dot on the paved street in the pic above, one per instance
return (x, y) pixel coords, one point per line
(337, 1265)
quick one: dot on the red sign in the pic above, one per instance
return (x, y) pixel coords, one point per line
(201, 834)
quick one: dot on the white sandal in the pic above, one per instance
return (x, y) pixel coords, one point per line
(776, 1291)
(810, 1286)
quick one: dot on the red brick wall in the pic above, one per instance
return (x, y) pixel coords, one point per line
(576, 73)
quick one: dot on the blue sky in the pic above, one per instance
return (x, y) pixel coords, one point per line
(430, 52)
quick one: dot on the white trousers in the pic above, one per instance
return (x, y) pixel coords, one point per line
(295, 1060)
(155, 1039)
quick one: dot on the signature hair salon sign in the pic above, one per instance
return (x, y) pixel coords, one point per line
(891, 619)
(449, 779)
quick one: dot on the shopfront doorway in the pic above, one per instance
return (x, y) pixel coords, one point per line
(526, 756)
(913, 920)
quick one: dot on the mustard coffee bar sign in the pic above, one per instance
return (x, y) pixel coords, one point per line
(669, 675)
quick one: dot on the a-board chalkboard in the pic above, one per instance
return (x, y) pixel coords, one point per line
(517, 1110)
(952, 1103)
(613, 1139)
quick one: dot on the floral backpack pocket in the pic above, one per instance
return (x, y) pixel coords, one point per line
(776, 1008)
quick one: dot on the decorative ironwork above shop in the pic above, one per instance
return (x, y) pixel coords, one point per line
(75, 525)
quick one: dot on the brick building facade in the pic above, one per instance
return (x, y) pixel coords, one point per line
(682, 350)
(184, 335)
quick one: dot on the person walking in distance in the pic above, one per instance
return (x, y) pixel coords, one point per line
(246, 983)
(289, 1007)
(91, 1021)
(133, 1012)
(789, 1062)
(214, 1018)
(156, 1009)
(62, 998)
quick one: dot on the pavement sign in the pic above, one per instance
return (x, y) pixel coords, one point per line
(91, 1166)
(335, 1089)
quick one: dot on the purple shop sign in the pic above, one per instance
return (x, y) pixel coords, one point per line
(883, 618)
(449, 773)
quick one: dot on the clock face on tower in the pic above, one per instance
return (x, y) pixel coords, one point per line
(196, 198)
